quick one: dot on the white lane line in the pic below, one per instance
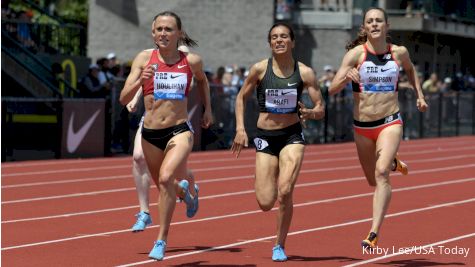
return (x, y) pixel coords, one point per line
(92, 179)
(302, 171)
(412, 249)
(248, 212)
(228, 167)
(303, 232)
(227, 178)
(404, 145)
(69, 195)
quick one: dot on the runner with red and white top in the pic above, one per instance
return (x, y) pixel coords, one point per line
(372, 62)
(167, 137)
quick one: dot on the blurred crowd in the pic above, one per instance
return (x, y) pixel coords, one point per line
(225, 83)
(21, 29)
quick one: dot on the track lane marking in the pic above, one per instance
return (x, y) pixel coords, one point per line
(251, 212)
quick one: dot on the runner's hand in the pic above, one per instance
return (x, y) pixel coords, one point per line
(239, 141)
(147, 73)
(207, 119)
(421, 105)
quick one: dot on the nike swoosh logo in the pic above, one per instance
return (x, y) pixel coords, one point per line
(173, 77)
(383, 70)
(181, 66)
(291, 84)
(286, 93)
(74, 139)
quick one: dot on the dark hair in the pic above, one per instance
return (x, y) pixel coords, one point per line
(362, 37)
(185, 39)
(291, 31)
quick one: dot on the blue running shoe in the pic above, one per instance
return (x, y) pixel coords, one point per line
(158, 250)
(192, 203)
(143, 219)
(278, 253)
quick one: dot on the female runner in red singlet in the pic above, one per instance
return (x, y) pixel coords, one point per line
(167, 138)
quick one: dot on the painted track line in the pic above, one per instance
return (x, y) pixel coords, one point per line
(302, 171)
(92, 179)
(412, 249)
(304, 231)
(75, 170)
(250, 212)
(218, 154)
(227, 178)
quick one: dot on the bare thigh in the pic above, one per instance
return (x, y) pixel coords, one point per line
(367, 155)
(154, 157)
(176, 156)
(138, 152)
(267, 171)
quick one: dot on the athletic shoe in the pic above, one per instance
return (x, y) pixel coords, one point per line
(143, 219)
(400, 166)
(278, 253)
(192, 203)
(158, 250)
(370, 241)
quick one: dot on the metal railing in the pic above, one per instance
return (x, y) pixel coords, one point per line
(66, 39)
(36, 67)
(449, 114)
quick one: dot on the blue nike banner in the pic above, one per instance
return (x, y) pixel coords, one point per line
(83, 128)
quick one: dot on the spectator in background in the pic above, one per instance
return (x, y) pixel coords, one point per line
(341, 7)
(227, 81)
(458, 83)
(90, 86)
(432, 84)
(112, 59)
(283, 9)
(403, 82)
(238, 77)
(217, 82)
(446, 85)
(326, 78)
(105, 77)
(24, 31)
(323, 5)
(209, 75)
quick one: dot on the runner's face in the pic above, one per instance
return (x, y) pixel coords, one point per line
(280, 41)
(165, 32)
(375, 24)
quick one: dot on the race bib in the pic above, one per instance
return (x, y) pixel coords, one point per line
(260, 143)
(169, 85)
(378, 88)
(281, 100)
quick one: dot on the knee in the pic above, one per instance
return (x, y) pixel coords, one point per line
(266, 206)
(382, 177)
(266, 203)
(139, 157)
(285, 191)
(165, 179)
(381, 174)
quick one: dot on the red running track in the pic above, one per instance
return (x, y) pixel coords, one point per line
(79, 212)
